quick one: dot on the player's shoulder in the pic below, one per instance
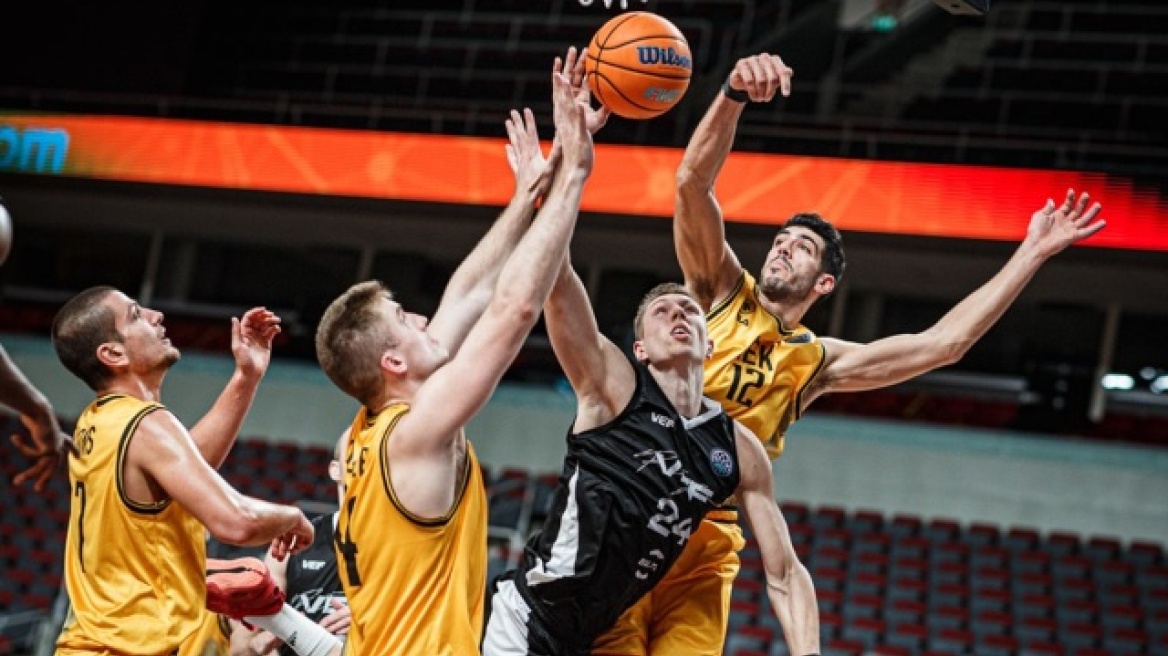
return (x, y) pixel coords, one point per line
(743, 287)
(802, 335)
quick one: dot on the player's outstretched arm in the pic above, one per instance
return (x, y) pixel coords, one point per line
(162, 455)
(789, 586)
(855, 367)
(470, 288)
(710, 266)
(454, 393)
(599, 373)
(251, 346)
(49, 444)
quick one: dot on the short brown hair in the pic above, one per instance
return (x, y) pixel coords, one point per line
(663, 289)
(80, 326)
(349, 340)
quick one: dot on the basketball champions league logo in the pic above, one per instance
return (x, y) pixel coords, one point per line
(624, 4)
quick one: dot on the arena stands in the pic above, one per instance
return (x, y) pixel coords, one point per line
(887, 584)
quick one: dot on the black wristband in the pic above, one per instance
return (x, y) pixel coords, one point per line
(734, 94)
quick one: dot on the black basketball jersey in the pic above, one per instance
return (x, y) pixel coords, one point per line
(630, 494)
(312, 576)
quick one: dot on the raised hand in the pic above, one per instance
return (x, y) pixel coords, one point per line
(760, 76)
(574, 69)
(48, 447)
(570, 118)
(251, 340)
(1054, 229)
(533, 172)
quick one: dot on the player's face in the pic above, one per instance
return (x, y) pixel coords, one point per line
(143, 335)
(422, 353)
(674, 325)
(792, 266)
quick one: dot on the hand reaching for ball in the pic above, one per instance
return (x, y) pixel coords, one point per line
(570, 117)
(760, 76)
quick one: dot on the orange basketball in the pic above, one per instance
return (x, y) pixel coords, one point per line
(638, 65)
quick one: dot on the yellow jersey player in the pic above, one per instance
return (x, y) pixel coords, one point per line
(213, 638)
(142, 487)
(411, 538)
(766, 367)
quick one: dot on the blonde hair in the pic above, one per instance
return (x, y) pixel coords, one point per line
(350, 340)
(664, 289)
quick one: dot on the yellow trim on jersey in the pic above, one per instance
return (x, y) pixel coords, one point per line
(123, 444)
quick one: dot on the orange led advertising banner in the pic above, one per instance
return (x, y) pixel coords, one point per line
(871, 196)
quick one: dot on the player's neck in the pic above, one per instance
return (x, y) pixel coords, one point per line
(789, 312)
(146, 389)
(682, 385)
(400, 391)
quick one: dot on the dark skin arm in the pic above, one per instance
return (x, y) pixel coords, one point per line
(48, 445)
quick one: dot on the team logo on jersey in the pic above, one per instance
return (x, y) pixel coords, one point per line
(316, 601)
(744, 313)
(721, 462)
(661, 420)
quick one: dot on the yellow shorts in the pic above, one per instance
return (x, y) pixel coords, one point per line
(687, 612)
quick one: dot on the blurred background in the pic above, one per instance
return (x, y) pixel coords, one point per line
(1011, 503)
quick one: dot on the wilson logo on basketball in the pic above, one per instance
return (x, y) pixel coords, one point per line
(663, 56)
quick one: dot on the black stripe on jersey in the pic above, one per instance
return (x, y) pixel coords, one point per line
(725, 303)
(107, 398)
(224, 623)
(429, 522)
(136, 506)
(807, 383)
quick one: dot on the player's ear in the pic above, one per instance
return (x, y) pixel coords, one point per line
(639, 352)
(824, 284)
(334, 471)
(393, 363)
(112, 354)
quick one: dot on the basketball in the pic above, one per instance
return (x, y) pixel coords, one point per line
(638, 65)
(5, 234)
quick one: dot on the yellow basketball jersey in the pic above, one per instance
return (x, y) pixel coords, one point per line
(415, 586)
(212, 639)
(759, 368)
(134, 572)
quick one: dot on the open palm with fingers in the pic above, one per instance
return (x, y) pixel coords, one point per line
(1052, 229)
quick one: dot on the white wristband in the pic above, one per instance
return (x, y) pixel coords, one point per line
(304, 636)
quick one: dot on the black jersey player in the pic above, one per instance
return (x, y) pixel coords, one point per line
(647, 457)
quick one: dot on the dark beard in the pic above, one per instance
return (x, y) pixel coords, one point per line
(783, 293)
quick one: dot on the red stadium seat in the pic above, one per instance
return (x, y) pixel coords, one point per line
(843, 647)
(909, 635)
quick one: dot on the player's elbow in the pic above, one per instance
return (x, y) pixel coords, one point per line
(950, 349)
(518, 308)
(241, 526)
(692, 182)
